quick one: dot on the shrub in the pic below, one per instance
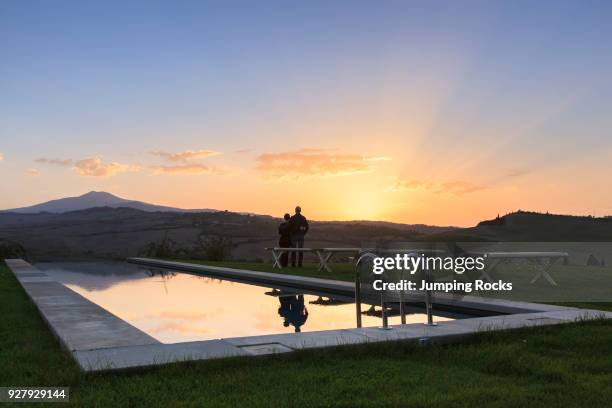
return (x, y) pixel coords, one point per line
(215, 247)
(10, 249)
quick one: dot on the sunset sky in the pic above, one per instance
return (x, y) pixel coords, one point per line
(411, 111)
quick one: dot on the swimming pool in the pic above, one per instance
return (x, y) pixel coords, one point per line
(177, 307)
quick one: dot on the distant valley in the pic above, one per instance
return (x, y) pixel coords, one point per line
(115, 228)
(104, 225)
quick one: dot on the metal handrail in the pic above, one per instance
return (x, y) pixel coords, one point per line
(358, 286)
(428, 301)
(428, 298)
(385, 319)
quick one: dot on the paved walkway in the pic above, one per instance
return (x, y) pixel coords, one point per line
(99, 340)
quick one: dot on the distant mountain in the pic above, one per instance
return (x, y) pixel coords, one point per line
(91, 200)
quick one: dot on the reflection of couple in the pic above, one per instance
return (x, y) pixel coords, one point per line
(294, 312)
(292, 232)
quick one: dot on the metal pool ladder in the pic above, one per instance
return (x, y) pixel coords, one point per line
(385, 320)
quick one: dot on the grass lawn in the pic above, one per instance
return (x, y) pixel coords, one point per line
(569, 279)
(569, 365)
(340, 271)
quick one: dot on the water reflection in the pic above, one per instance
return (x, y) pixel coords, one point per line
(293, 311)
(175, 307)
(163, 274)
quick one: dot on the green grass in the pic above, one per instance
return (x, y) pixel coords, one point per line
(340, 271)
(569, 365)
(573, 283)
(524, 290)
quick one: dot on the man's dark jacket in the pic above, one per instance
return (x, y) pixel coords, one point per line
(299, 225)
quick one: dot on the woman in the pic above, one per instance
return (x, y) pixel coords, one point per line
(284, 230)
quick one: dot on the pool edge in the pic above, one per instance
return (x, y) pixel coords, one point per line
(142, 350)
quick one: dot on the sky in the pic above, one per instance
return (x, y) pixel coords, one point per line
(436, 112)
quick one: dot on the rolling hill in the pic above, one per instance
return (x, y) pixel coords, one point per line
(106, 232)
(102, 225)
(524, 226)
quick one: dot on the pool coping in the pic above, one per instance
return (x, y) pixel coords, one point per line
(99, 340)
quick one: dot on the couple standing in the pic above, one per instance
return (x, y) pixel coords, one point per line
(292, 232)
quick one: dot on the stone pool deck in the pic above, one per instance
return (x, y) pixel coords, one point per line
(99, 340)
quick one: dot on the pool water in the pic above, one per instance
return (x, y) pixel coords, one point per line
(176, 307)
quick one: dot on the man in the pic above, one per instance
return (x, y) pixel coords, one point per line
(284, 230)
(284, 310)
(293, 311)
(299, 228)
(299, 313)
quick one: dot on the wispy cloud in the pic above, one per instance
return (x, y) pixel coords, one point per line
(91, 166)
(32, 172)
(308, 163)
(185, 155)
(517, 172)
(377, 159)
(188, 169)
(457, 187)
(460, 188)
(56, 162)
(95, 167)
(407, 185)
